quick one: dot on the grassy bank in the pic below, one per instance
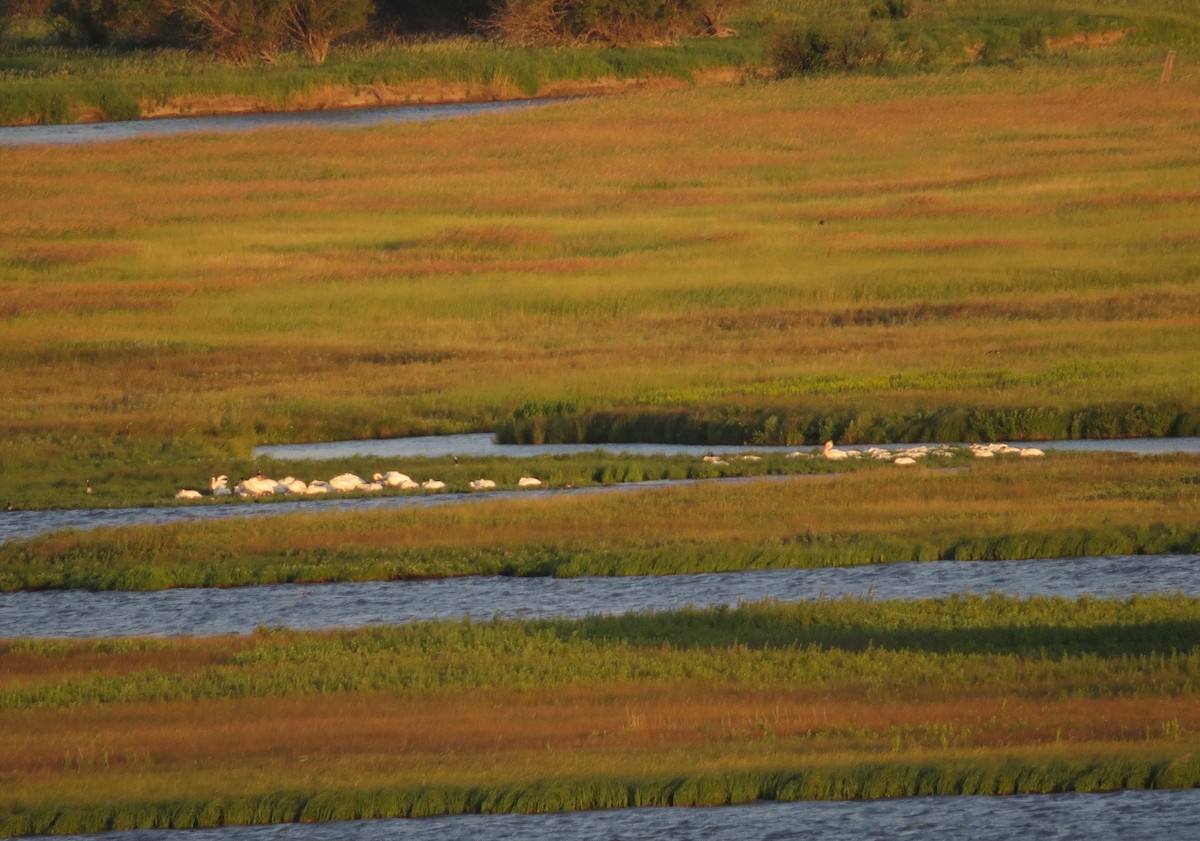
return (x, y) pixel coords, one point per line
(1064, 506)
(830, 700)
(49, 83)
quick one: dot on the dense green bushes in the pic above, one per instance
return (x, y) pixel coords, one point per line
(567, 422)
(257, 30)
(539, 22)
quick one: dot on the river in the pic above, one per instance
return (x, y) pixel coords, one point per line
(1123, 815)
(239, 610)
(81, 133)
(483, 444)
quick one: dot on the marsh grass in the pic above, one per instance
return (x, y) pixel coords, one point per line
(998, 252)
(1064, 506)
(836, 699)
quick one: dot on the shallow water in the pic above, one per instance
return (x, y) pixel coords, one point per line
(483, 444)
(78, 613)
(1124, 815)
(59, 135)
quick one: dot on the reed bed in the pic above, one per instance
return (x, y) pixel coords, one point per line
(845, 698)
(1066, 505)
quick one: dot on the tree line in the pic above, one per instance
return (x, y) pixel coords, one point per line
(248, 31)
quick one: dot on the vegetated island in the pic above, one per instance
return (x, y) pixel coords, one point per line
(835, 699)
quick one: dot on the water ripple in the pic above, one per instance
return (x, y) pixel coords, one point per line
(1127, 815)
(76, 613)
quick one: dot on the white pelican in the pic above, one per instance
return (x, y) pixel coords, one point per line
(482, 485)
(346, 482)
(392, 478)
(433, 484)
(219, 485)
(256, 486)
(1028, 452)
(187, 493)
(528, 482)
(905, 460)
(832, 453)
(292, 485)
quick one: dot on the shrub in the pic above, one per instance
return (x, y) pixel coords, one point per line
(129, 22)
(891, 9)
(540, 22)
(824, 48)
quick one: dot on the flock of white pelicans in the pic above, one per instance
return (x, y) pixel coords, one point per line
(260, 485)
(912, 454)
(343, 483)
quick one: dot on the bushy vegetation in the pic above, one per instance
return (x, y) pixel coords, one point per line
(563, 22)
(559, 422)
(257, 30)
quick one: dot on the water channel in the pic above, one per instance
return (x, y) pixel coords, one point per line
(1124, 815)
(80, 133)
(77, 613)
(483, 444)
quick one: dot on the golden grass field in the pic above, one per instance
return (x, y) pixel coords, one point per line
(877, 245)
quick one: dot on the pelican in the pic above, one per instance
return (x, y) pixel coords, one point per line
(905, 460)
(219, 485)
(346, 482)
(187, 493)
(293, 485)
(832, 453)
(392, 478)
(1028, 452)
(256, 486)
(482, 485)
(433, 484)
(528, 482)
(317, 486)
